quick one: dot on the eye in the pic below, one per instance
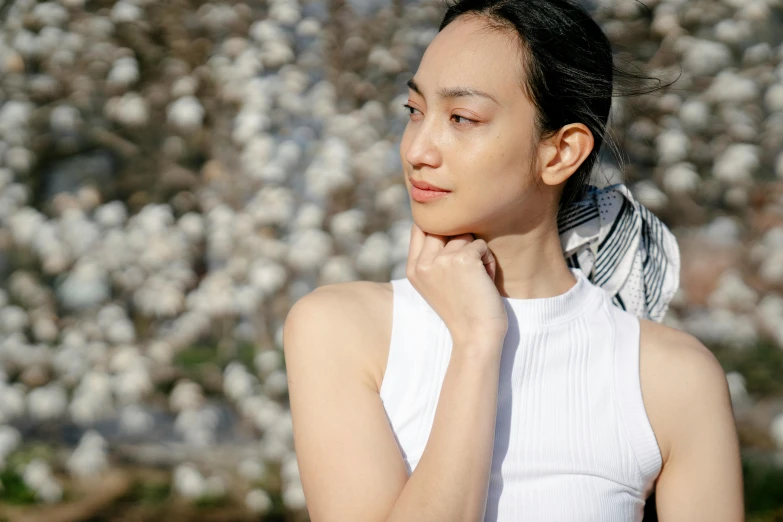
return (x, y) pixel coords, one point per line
(409, 108)
(469, 121)
(472, 122)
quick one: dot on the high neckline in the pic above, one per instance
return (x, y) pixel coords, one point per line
(555, 309)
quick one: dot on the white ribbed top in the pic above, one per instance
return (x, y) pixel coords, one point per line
(572, 438)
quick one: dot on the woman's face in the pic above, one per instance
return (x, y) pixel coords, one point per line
(479, 148)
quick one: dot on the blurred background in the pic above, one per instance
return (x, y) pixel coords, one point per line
(175, 174)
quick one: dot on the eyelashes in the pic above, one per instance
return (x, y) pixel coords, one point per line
(471, 122)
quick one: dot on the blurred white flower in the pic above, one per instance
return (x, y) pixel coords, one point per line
(186, 395)
(308, 27)
(10, 438)
(124, 72)
(47, 402)
(673, 146)
(267, 361)
(258, 501)
(12, 401)
(64, 118)
(37, 475)
(249, 130)
(44, 329)
(770, 313)
(729, 87)
(186, 113)
(309, 215)
(293, 497)
(267, 276)
(197, 426)
(273, 448)
(374, 257)
(50, 491)
(251, 469)
(129, 109)
(272, 205)
(309, 249)
(733, 293)
(276, 384)
(330, 170)
(722, 231)
(111, 214)
(732, 31)
(289, 470)
(338, 269)
(159, 298)
(348, 225)
(705, 58)
(771, 269)
(649, 195)
(92, 399)
(721, 326)
(737, 164)
(776, 430)
(13, 319)
(237, 381)
(188, 482)
(184, 86)
(695, 115)
(681, 178)
(126, 11)
(24, 225)
(90, 456)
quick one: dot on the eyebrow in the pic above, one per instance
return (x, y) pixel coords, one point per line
(453, 92)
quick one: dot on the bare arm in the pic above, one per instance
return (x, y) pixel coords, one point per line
(702, 478)
(349, 463)
(450, 482)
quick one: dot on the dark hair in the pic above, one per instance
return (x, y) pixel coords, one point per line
(569, 70)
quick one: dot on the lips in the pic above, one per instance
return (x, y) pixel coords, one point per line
(423, 185)
(423, 192)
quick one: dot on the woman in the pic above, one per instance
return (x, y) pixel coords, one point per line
(495, 381)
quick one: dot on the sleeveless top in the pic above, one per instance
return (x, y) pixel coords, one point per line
(572, 438)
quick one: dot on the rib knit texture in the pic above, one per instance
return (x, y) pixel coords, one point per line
(573, 442)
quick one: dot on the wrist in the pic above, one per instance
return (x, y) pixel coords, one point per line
(486, 348)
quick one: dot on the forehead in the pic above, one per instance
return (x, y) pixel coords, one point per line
(467, 53)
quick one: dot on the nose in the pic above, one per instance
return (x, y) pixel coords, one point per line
(419, 144)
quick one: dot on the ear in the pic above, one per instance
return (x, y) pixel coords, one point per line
(562, 154)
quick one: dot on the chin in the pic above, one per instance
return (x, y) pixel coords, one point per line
(432, 224)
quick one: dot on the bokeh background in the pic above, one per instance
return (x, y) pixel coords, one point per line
(175, 174)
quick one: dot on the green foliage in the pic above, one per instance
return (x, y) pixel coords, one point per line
(28, 452)
(14, 490)
(246, 353)
(763, 488)
(148, 493)
(278, 510)
(194, 356)
(211, 501)
(761, 365)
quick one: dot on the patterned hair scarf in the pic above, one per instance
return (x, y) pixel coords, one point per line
(622, 247)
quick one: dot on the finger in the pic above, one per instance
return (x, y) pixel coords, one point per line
(491, 264)
(433, 244)
(482, 249)
(457, 242)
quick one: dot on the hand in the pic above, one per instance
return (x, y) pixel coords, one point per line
(456, 276)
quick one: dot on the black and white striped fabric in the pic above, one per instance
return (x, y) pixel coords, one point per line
(623, 248)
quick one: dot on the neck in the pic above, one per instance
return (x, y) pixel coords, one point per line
(530, 265)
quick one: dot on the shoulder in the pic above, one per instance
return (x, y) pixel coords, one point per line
(351, 303)
(683, 384)
(352, 320)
